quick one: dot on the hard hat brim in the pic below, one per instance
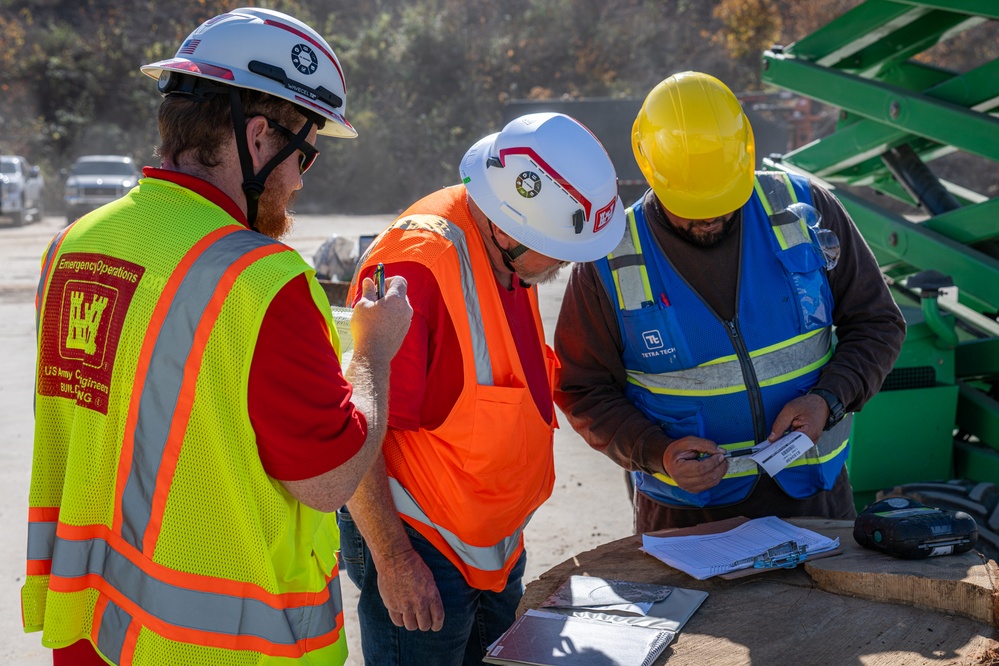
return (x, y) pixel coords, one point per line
(336, 124)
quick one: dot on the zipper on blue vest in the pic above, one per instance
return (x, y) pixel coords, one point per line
(753, 393)
(752, 383)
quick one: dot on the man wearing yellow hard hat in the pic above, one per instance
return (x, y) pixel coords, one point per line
(708, 330)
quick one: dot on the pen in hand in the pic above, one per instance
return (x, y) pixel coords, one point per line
(379, 279)
(737, 453)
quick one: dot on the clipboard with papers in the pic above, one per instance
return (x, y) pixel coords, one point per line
(753, 545)
(592, 621)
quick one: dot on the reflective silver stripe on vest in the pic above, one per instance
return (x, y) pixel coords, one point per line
(165, 375)
(773, 364)
(830, 442)
(741, 466)
(456, 236)
(627, 264)
(41, 540)
(778, 194)
(114, 628)
(776, 188)
(485, 558)
(206, 611)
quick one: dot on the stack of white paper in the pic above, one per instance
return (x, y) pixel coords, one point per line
(706, 555)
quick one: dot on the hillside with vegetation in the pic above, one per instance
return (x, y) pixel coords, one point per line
(425, 78)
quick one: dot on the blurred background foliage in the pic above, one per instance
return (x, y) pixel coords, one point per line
(425, 78)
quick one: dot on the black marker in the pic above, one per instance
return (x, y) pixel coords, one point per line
(379, 281)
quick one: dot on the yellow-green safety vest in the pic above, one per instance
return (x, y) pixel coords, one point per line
(154, 531)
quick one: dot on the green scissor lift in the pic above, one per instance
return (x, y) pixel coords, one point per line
(937, 415)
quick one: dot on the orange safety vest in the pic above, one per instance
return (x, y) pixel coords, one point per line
(470, 485)
(154, 530)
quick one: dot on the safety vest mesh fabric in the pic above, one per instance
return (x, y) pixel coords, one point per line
(154, 530)
(470, 485)
(684, 370)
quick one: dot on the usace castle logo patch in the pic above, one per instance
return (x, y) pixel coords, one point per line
(87, 299)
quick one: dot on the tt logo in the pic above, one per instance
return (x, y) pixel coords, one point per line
(653, 339)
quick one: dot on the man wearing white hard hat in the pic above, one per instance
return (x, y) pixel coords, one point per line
(433, 536)
(194, 428)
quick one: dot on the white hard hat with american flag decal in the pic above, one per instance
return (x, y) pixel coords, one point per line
(264, 50)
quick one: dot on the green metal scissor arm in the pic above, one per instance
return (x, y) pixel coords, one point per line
(880, 22)
(897, 115)
(860, 62)
(865, 140)
(893, 238)
(904, 111)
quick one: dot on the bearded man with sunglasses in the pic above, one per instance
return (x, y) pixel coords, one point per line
(194, 427)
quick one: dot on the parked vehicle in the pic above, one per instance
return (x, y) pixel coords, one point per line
(20, 189)
(96, 180)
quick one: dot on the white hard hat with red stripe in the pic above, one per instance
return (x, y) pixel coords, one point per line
(547, 182)
(265, 50)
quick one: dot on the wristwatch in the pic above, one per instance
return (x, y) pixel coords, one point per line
(836, 411)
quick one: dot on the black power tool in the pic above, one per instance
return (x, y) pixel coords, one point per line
(907, 529)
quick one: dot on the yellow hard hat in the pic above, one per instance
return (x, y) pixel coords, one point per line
(695, 146)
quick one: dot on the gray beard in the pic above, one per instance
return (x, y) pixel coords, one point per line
(545, 277)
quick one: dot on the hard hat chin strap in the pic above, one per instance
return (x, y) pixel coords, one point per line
(509, 256)
(252, 186)
(253, 183)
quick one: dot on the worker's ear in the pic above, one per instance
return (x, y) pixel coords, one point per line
(504, 240)
(257, 142)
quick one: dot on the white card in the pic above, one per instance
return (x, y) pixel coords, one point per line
(783, 452)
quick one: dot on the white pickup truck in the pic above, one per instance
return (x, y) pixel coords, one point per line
(20, 189)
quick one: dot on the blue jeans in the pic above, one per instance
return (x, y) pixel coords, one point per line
(473, 618)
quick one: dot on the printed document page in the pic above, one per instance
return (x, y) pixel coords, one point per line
(706, 555)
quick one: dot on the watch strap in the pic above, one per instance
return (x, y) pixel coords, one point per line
(836, 411)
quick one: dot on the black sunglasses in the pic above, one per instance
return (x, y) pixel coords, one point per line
(307, 153)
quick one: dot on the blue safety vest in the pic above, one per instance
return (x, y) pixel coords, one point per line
(696, 374)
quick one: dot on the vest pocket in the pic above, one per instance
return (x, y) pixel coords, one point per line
(803, 481)
(807, 279)
(728, 491)
(677, 419)
(498, 443)
(654, 340)
(824, 475)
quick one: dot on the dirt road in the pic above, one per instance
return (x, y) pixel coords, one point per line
(588, 507)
